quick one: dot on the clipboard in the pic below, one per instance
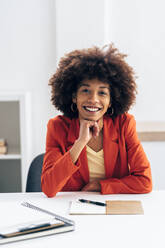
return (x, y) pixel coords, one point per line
(35, 228)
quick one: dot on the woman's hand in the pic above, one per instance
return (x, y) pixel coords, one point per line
(92, 186)
(88, 129)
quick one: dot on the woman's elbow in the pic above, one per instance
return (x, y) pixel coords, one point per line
(47, 189)
(148, 185)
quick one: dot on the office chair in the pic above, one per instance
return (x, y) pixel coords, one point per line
(33, 183)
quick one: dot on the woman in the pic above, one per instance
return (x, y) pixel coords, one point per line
(93, 146)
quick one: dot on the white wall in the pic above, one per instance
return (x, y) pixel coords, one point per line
(79, 24)
(155, 154)
(137, 28)
(27, 57)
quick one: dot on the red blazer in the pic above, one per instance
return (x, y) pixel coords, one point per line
(127, 168)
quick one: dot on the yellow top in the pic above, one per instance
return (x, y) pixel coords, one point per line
(95, 164)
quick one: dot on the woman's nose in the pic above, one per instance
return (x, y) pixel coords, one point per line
(93, 97)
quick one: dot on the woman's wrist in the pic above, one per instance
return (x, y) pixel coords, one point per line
(76, 149)
(81, 143)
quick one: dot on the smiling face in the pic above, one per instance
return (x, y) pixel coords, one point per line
(92, 99)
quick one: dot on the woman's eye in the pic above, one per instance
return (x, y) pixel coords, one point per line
(85, 90)
(103, 93)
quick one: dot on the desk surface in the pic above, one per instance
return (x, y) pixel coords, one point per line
(113, 231)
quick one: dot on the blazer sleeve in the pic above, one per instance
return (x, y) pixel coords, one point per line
(139, 179)
(58, 167)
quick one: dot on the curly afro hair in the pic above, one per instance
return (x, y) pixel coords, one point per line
(107, 65)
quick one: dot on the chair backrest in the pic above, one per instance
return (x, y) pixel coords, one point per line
(33, 183)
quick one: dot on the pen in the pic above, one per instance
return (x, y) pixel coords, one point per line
(92, 202)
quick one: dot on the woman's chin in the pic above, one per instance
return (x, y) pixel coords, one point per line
(91, 118)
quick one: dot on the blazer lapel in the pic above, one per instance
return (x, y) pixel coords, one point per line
(73, 131)
(110, 146)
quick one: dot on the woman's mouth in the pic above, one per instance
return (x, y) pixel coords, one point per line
(91, 109)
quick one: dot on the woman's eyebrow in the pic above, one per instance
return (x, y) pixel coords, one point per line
(87, 85)
(84, 84)
(104, 87)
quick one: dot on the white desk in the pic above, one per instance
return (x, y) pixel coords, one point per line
(126, 231)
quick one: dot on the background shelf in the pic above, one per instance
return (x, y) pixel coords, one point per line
(10, 156)
(15, 128)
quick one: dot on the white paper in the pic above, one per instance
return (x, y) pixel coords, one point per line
(79, 208)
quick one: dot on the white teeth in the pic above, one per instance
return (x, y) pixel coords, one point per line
(92, 109)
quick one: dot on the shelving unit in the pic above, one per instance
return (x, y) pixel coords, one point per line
(15, 128)
(151, 131)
